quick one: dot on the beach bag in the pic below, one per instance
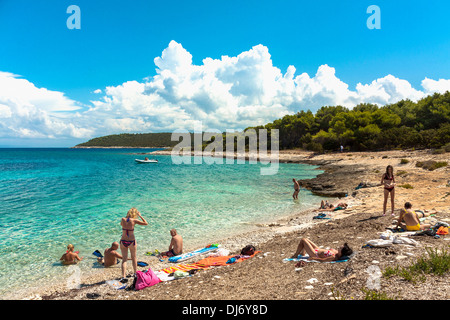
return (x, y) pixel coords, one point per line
(145, 279)
(248, 250)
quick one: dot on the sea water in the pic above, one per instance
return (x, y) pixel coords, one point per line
(52, 197)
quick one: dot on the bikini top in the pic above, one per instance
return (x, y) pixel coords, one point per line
(128, 219)
(386, 177)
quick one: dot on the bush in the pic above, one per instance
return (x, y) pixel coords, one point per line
(404, 161)
(431, 165)
(437, 263)
(401, 173)
(438, 151)
(406, 186)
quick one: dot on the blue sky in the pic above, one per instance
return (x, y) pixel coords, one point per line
(119, 41)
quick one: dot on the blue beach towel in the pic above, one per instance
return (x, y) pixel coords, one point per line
(321, 216)
(305, 258)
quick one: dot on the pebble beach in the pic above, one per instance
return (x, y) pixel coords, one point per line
(267, 277)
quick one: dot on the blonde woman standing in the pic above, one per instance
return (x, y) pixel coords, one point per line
(128, 241)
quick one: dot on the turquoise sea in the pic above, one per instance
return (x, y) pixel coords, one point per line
(52, 197)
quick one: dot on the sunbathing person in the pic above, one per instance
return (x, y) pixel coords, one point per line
(176, 245)
(70, 257)
(339, 206)
(409, 220)
(325, 205)
(322, 255)
(111, 256)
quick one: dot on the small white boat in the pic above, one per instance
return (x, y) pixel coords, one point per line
(146, 161)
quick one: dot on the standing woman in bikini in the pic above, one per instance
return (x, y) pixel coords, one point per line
(389, 188)
(128, 240)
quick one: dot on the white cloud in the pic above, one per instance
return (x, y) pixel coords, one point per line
(226, 93)
(30, 112)
(440, 86)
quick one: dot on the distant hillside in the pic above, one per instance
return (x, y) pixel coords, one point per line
(145, 140)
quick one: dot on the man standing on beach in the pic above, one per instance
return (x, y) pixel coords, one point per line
(296, 189)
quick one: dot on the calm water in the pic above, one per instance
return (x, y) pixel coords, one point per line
(52, 197)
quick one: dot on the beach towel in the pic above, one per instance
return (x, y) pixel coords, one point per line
(222, 261)
(384, 243)
(185, 267)
(322, 216)
(306, 257)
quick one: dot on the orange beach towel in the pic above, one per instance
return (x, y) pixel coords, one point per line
(185, 267)
(222, 261)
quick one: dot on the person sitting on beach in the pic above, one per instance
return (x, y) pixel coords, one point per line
(325, 205)
(331, 207)
(306, 246)
(176, 245)
(409, 220)
(70, 257)
(111, 256)
(296, 189)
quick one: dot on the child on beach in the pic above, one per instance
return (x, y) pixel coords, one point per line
(70, 257)
(388, 182)
(322, 255)
(296, 189)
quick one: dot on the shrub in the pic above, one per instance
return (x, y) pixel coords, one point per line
(376, 295)
(404, 161)
(431, 165)
(401, 173)
(406, 186)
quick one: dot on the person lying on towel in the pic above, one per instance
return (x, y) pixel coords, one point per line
(318, 254)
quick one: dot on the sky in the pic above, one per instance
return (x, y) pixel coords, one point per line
(158, 66)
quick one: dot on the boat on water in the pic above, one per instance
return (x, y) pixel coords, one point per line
(146, 161)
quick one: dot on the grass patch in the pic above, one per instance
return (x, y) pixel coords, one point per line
(406, 186)
(438, 151)
(404, 161)
(436, 262)
(431, 165)
(376, 295)
(401, 173)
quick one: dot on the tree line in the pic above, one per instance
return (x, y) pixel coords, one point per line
(405, 124)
